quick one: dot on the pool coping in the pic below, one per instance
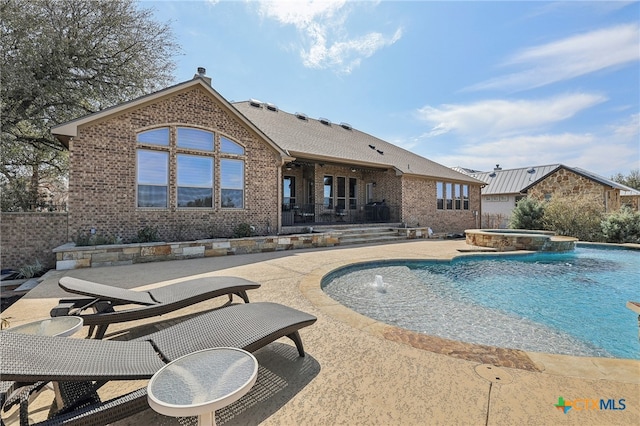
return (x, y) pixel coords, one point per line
(620, 369)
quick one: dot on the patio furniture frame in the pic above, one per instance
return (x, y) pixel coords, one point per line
(80, 366)
(104, 298)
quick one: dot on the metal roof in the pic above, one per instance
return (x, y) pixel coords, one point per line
(513, 181)
(322, 140)
(516, 181)
(599, 178)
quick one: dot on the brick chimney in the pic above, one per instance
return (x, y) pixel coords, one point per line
(202, 74)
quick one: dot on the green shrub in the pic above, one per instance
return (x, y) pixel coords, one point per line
(31, 270)
(148, 234)
(622, 226)
(528, 214)
(96, 240)
(242, 230)
(575, 216)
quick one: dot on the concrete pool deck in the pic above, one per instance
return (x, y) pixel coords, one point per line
(358, 371)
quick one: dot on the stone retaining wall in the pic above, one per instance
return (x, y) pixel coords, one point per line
(69, 256)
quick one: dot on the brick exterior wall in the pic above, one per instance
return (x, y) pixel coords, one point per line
(27, 237)
(419, 207)
(564, 182)
(102, 181)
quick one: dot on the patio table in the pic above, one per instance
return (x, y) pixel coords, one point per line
(58, 326)
(202, 382)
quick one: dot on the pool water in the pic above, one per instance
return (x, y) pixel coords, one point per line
(566, 303)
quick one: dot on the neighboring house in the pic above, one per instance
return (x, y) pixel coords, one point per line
(195, 166)
(506, 187)
(630, 197)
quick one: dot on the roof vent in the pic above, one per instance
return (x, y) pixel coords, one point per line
(380, 151)
(272, 107)
(531, 171)
(492, 174)
(497, 167)
(372, 146)
(302, 116)
(255, 103)
(325, 121)
(346, 126)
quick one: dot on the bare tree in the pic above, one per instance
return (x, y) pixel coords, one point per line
(632, 179)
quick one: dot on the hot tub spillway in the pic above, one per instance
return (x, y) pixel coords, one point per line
(519, 239)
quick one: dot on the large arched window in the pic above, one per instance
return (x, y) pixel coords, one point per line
(182, 161)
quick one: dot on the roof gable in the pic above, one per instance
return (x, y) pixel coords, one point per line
(513, 181)
(66, 131)
(516, 181)
(584, 173)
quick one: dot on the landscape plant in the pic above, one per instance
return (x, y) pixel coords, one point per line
(528, 214)
(243, 230)
(87, 239)
(575, 216)
(148, 234)
(63, 59)
(622, 226)
(31, 270)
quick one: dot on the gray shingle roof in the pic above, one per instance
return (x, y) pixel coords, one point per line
(332, 142)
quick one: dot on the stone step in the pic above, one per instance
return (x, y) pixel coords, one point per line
(369, 235)
(371, 239)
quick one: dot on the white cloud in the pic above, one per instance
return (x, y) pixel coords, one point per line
(493, 118)
(607, 152)
(629, 129)
(569, 58)
(300, 13)
(325, 42)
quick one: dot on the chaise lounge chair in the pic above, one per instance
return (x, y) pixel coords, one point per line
(81, 366)
(157, 301)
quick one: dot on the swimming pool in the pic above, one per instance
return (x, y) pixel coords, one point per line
(565, 303)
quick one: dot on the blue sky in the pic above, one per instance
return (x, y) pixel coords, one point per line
(470, 84)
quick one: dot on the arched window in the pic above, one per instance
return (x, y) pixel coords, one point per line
(228, 146)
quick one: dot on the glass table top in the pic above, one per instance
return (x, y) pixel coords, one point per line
(57, 326)
(202, 381)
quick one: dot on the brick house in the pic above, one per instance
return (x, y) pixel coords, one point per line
(192, 164)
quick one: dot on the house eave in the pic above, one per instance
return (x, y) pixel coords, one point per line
(65, 132)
